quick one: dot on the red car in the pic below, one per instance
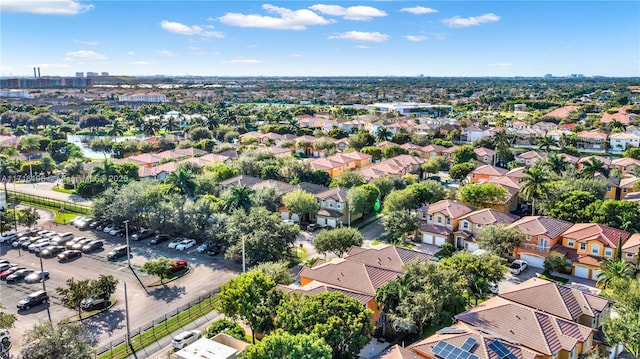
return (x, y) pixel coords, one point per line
(178, 265)
(10, 271)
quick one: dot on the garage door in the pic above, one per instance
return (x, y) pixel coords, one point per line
(427, 238)
(532, 260)
(331, 222)
(285, 215)
(321, 221)
(440, 240)
(582, 272)
(472, 247)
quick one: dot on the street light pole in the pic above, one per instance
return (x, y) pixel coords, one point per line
(126, 231)
(244, 260)
(126, 308)
(44, 288)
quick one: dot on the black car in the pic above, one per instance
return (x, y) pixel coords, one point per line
(33, 299)
(69, 255)
(117, 252)
(92, 246)
(214, 250)
(159, 239)
(143, 234)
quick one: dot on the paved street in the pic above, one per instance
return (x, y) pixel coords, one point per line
(43, 189)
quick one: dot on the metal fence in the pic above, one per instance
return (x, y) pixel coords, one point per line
(136, 334)
(19, 197)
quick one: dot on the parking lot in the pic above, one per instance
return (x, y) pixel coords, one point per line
(145, 303)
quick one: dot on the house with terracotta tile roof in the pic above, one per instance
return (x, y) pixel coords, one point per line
(440, 220)
(593, 141)
(516, 173)
(621, 116)
(334, 208)
(144, 159)
(486, 172)
(530, 158)
(448, 153)
(543, 333)
(539, 235)
(587, 245)
(561, 113)
(361, 272)
(325, 164)
(621, 141)
(545, 126)
(486, 156)
(431, 151)
(241, 180)
(626, 165)
(397, 352)
(512, 198)
(605, 160)
(626, 185)
(631, 249)
(472, 224)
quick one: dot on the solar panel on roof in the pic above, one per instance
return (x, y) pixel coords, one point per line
(468, 344)
(501, 350)
(447, 351)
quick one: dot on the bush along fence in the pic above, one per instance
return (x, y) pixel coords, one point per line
(39, 201)
(158, 328)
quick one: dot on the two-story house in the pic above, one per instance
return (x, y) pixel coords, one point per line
(334, 208)
(486, 156)
(539, 235)
(530, 158)
(631, 250)
(586, 245)
(591, 141)
(440, 220)
(471, 225)
(486, 172)
(621, 141)
(626, 165)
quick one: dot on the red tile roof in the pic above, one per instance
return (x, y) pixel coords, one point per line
(451, 209)
(608, 236)
(541, 225)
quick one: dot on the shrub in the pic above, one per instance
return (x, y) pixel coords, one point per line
(228, 327)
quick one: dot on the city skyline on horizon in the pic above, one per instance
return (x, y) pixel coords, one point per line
(312, 39)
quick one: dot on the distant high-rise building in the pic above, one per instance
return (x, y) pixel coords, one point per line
(79, 74)
(89, 74)
(104, 74)
(548, 76)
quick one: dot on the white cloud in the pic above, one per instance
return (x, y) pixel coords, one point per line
(419, 10)
(358, 13)
(167, 53)
(458, 21)
(182, 29)
(45, 7)
(193, 48)
(87, 43)
(145, 63)
(361, 36)
(501, 64)
(438, 36)
(415, 38)
(243, 61)
(297, 56)
(4, 68)
(287, 19)
(85, 55)
(130, 53)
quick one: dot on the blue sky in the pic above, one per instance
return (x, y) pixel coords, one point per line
(320, 38)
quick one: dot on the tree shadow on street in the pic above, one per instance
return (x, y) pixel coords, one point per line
(106, 322)
(168, 294)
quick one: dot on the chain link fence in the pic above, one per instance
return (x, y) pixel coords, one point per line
(25, 198)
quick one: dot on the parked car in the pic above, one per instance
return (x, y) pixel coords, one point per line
(143, 234)
(178, 265)
(493, 288)
(75, 219)
(214, 250)
(69, 255)
(97, 223)
(117, 252)
(92, 246)
(71, 243)
(19, 274)
(82, 243)
(5, 266)
(159, 239)
(174, 242)
(93, 303)
(203, 247)
(35, 247)
(83, 224)
(4, 261)
(312, 227)
(40, 247)
(518, 266)
(108, 228)
(115, 230)
(186, 244)
(8, 237)
(120, 232)
(185, 338)
(33, 299)
(4, 336)
(51, 251)
(36, 277)
(10, 271)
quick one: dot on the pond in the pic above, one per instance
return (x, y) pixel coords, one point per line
(82, 141)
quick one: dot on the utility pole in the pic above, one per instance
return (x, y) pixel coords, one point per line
(244, 260)
(126, 309)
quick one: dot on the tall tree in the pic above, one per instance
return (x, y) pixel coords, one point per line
(546, 142)
(483, 195)
(337, 241)
(398, 223)
(183, 181)
(612, 269)
(556, 163)
(383, 134)
(342, 321)
(479, 271)
(301, 203)
(250, 297)
(593, 166)
(239, 197)
(64, 341)
(75, 292)
(115, 129)
(534, 185)
(30, 144)
(500, 240)
(282, 345)
(159, 267)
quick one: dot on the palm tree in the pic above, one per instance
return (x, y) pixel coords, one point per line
(74, 169)
(546, 142)
(534, 185)
(613, 269)
(615, 124)
(170, 124)
(7, 171)
(556, 163)
(48, 165)
(151, 126)
(30, 144)
(109, 169)
(502, 143)
(115, 129)
(383, 134)
(592, 166)
(239, 197)
(183, 181)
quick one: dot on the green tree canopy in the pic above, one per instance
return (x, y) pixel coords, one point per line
(500, 240)
(483, 195)
(397, 223)
(461, 170)
(478, 271)
(573, 207)
(160, 267)
(278, 271)
(337, 241)
(301, 203)
(464, 154)
(64, 341)
(282, 345)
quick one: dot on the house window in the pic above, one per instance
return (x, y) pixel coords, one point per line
(324, 203)
(608, 252)
(448, 221)
(439, 220)
(624, 190)
(330, 204)
(629, 255)
(608, 188)
(624, 168)
(528, 238)
(465, 225)
(339, 205)
(570, 243)
(431, 217)
(583, 246)
(595, 249)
